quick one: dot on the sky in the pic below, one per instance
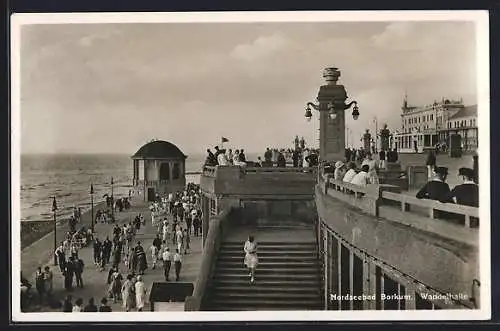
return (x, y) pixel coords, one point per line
(110, 88)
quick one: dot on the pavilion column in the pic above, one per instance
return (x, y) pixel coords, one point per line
(171, 170)
(145, 179)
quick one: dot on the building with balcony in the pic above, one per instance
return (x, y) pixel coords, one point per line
(159, 168)
(425, 126)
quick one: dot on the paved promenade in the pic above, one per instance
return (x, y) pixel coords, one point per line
(94, 281)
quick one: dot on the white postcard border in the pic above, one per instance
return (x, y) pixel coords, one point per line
(482, 34)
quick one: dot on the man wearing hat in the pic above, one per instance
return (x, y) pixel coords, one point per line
(435, 188)
(467, 193)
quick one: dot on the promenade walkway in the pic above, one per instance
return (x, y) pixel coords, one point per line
(95, 285)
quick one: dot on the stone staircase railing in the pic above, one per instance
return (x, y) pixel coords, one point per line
(217, 226)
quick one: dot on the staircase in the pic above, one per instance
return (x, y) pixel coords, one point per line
(287, 278)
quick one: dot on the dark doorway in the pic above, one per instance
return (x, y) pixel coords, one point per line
(176, 171)
(165, 171)
(151, 194)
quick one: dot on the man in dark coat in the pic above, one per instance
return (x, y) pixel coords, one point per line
(157, 242)
(140, 254)
(78, 268)
(436, 188)
(69, 272)
(467, 193)
(97, 251)
(107, 245)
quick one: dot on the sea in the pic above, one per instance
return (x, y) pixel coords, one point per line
(68, 178)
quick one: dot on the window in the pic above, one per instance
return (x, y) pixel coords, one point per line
(432, 117)
(164, 171)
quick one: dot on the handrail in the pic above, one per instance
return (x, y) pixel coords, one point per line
(209, 257)
(379, 193)
(432, 205)
(211, 170)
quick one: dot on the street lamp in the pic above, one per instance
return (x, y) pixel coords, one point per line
(331, 110)
(92, 204)
(112, 202)
(54, 210)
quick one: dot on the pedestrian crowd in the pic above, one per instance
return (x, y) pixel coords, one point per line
(176, 218)
(299, 157)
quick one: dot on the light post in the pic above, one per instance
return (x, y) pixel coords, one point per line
(112, 202)
(375, 120)
(92, 205)
(54, 210)
(331, 104)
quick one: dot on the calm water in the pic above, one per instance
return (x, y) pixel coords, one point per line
(68, 178)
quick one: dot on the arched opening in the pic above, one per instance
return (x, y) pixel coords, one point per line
(164, 171)
(176, 171)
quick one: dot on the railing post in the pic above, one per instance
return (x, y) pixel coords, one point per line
(339, 271)
(410, 290)
(351, 277)
(382, 289)
(325, 267)
(368, 284)
(467, 221)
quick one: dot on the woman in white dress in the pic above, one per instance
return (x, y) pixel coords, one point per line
(251, 259)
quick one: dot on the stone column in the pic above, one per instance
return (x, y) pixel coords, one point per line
(332, 132)
(170, 171)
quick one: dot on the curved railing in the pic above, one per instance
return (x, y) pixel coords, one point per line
(412, 293)
(340, 257)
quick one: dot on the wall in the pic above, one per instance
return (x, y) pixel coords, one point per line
(236, 181)
(444, 264)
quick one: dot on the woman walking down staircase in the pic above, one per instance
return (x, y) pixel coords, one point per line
(288, 277)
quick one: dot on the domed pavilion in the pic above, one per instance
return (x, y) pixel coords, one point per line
(159, 168)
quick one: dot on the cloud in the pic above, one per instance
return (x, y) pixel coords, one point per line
(262, 47)
(173, 80)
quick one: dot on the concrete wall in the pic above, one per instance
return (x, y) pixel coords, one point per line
(233, 180)
(442, 263)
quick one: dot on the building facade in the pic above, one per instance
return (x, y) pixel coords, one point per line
(159, 169)
(426, 126)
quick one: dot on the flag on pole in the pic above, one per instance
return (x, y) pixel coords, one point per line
(224, 140)
(111, 180)
(91, 188)
(54, 204)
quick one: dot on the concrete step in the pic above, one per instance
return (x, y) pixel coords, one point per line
(266, 283)
(221, 274)
(253, 295)
(256, 288)
(262, 259)
(264, 264)
(310, 247)
(264, 303)
(271, 243)
(263, 252)
(283, 269)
